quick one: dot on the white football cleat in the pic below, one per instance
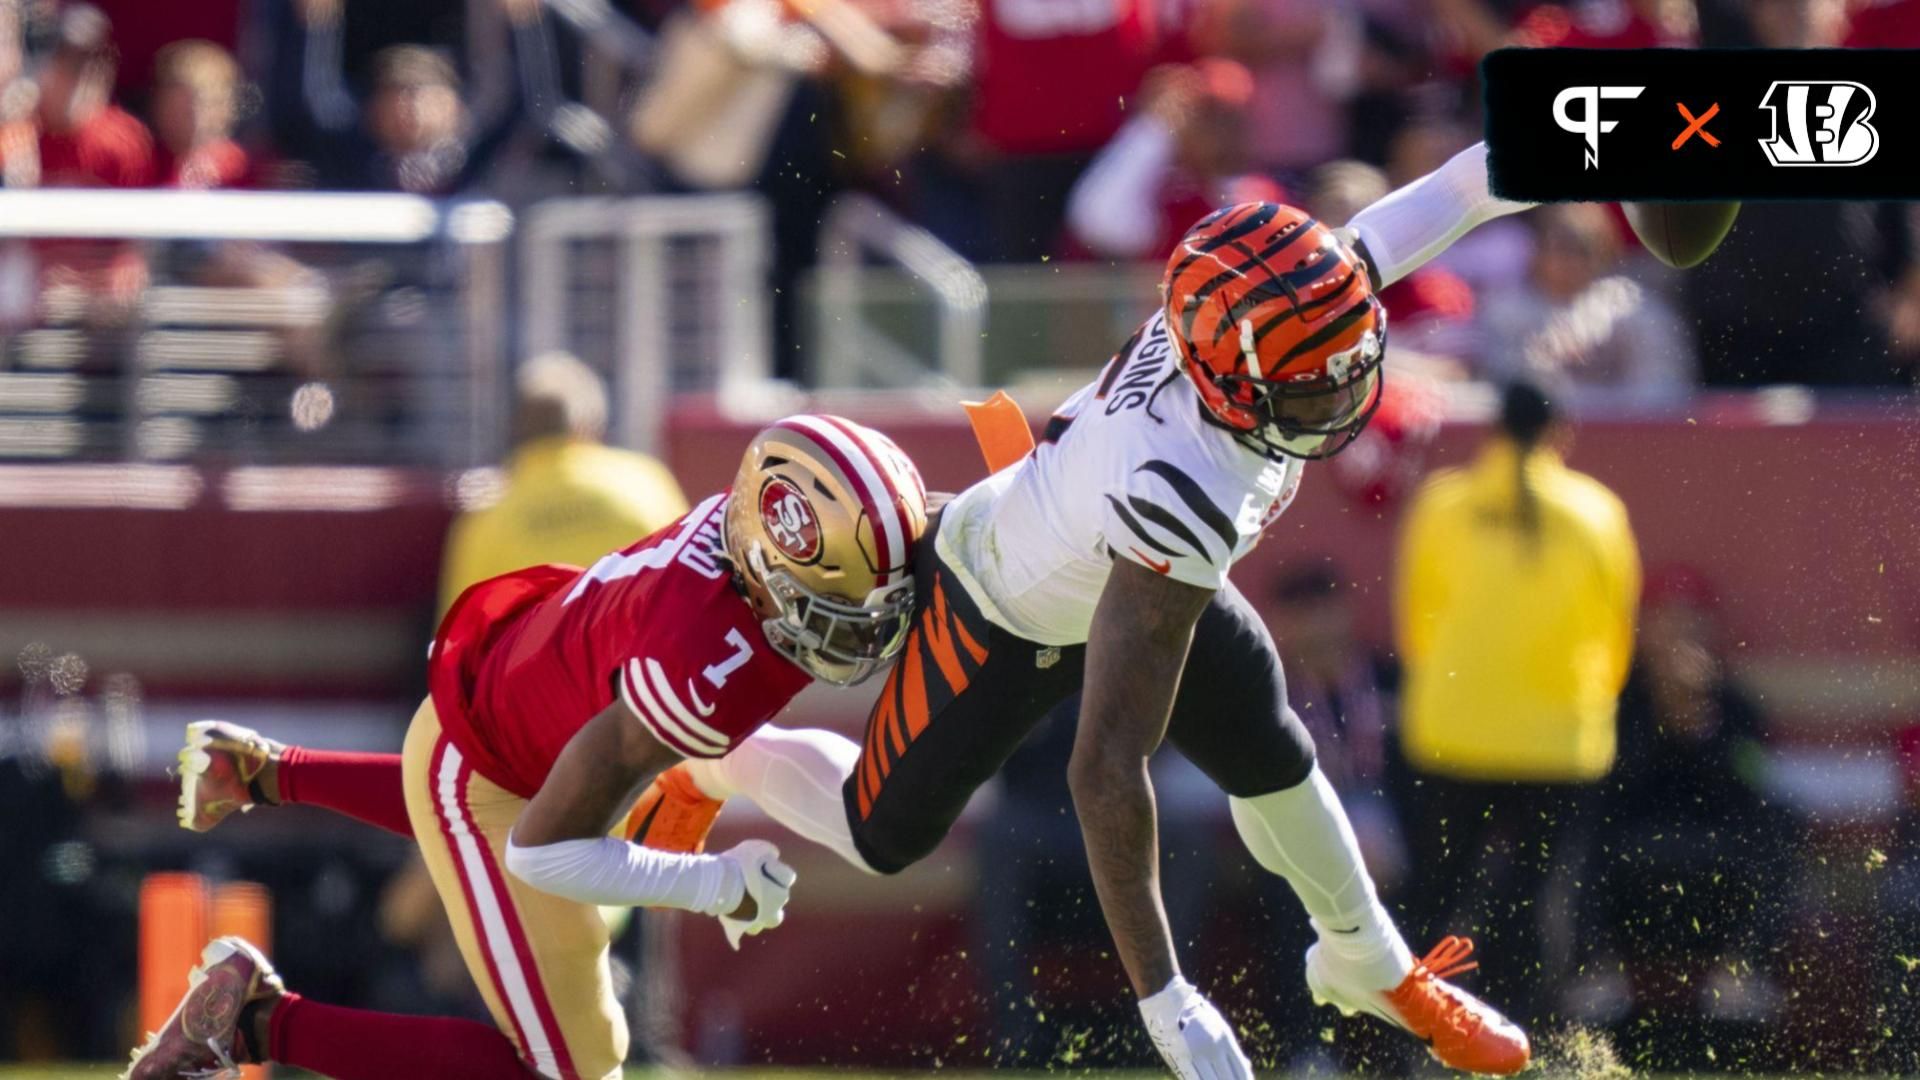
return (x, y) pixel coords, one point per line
(1460, 1030)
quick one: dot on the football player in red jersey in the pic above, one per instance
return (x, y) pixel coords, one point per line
(557, 696)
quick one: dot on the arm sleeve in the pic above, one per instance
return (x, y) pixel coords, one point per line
(1412, 225)
(323, 85)
(1114, 207)
(1163, 519)
(614, 872)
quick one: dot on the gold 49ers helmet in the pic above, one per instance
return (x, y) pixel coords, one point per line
(1276, 323)
(821, 526)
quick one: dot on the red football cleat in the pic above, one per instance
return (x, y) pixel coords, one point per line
(1459, 1029)
(202, 1039)
(217, 769)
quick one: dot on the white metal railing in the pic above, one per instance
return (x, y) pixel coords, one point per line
(664, 293)
(850, 349)
(1034, 323)
(266, 216)
(199, 363)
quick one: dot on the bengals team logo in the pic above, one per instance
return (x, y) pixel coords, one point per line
(1824, 123)
(790, 520)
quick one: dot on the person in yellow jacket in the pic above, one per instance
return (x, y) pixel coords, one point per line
(568, 497)
(1514, 611)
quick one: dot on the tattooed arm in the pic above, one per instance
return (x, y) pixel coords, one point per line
(1141, 631)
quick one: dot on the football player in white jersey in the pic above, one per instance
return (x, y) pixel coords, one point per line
(1098, 564)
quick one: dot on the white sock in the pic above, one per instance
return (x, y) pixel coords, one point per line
(795, 775)
(1302, 834)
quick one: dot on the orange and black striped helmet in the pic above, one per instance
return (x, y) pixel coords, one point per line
(1276, 322)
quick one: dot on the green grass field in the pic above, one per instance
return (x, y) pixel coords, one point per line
(106, 1071)
(102, 1071)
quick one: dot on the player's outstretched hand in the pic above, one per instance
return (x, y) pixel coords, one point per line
(1192, 1036)
(769, 882)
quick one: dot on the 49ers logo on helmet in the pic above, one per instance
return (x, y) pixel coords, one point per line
(790, 520)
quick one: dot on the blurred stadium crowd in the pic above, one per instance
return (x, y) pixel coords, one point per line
(1014, 131)
(1662, 895)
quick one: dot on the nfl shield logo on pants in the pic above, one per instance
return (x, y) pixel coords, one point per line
(1046, 658)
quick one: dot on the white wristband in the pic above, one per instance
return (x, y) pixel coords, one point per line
(614, 872)
(1167, 1003)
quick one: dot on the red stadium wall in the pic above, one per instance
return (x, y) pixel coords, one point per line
(313, 582)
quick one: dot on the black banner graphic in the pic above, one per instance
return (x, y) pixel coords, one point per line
(1679, 124)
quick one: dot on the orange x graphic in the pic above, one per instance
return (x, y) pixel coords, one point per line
(1697, 125)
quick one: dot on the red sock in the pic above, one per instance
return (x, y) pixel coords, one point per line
(353, 1044)
(362, 786)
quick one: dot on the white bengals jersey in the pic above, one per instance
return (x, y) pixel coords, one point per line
(1123, 472)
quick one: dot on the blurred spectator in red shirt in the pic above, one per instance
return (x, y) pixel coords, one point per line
(1305, 58)
(1181, 156)
(1053, 80)
(1894, 25)
(76, 136)
(194, 105)
(1473, 28)
(195, 87)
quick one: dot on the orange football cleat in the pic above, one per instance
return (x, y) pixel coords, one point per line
(673, 814)
(203, 1037)
(1460, 1030)
(218, 768)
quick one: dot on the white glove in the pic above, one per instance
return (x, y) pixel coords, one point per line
(765, 878)
(1192, 1036)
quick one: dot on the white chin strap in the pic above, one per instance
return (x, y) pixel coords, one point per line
(1247, 350)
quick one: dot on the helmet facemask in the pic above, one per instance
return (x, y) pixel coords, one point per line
(833, 639)
(820, 527)
(1313, 416)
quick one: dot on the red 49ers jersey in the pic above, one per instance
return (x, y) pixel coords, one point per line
(524, 660)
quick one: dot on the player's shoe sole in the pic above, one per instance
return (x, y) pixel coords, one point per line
(200, 1039)
(217, 764)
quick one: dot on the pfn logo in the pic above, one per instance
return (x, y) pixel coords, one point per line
(1826, 124)
(1589, 125)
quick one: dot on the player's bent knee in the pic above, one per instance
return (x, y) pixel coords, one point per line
(888, 848)
(1265, 778)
